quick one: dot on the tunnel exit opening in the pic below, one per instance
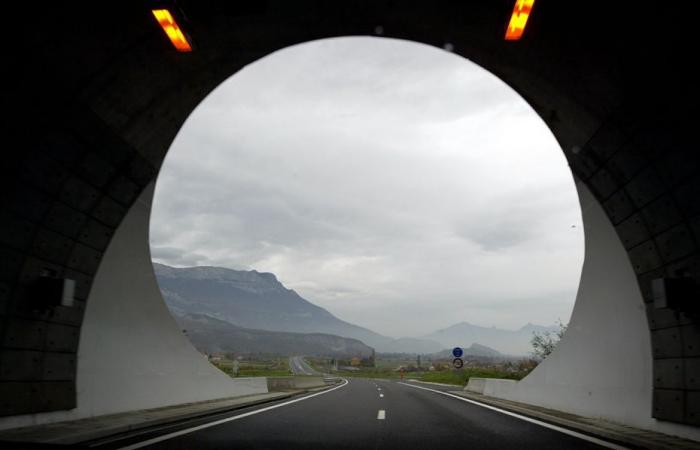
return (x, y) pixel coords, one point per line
(391, 184)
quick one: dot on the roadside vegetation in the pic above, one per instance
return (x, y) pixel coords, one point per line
(544, 343)
(461, 377)
(390, 366)
(432, 371)
(252, 366)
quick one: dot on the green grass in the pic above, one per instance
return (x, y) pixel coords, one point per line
(279, 367)
(263, 373)
(268, 367)
(458, 378)
(461, 378)
(369, 373)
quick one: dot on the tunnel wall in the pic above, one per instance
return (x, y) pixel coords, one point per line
(603, 365)
(132, 355)
(92, 108)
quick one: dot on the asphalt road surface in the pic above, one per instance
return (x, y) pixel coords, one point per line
(367, 414)
(300, 367)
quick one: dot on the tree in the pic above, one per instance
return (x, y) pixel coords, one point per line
(544, 343)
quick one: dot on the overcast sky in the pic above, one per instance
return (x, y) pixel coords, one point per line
(399, 186)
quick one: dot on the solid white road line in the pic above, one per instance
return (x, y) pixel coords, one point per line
(381, 415)
(585, 437)
(166, 437)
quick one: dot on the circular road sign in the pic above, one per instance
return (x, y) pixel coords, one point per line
(458, 363)
(457, 352)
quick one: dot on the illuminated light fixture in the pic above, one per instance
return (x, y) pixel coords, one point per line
(521, 12)
(172, 29)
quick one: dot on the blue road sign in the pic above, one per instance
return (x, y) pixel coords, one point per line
(457, 352)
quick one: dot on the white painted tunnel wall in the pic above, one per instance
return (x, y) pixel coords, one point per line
(603, 365)
(132, 355)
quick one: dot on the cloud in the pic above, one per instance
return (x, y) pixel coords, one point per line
(178, 257)
(381, 179)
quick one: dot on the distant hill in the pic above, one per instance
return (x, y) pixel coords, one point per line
(255, 300)
(510, 342)
(212, 335)
(474, 350)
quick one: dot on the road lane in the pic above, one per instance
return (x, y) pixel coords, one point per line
(521, 417)
(300, 367)
(379, 415)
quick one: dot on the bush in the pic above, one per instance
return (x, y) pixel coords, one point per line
(545, 342)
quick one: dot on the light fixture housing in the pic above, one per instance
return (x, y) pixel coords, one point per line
(518, 20)
(168, 23)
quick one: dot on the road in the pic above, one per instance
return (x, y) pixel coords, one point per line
(300, 367)
(366, 414)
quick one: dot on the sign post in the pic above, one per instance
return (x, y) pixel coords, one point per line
(457, 362)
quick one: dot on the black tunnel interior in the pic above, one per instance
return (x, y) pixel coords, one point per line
(93, 96)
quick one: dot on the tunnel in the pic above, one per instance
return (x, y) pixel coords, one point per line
(94, 96)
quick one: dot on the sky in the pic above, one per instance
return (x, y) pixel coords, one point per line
(399, 186)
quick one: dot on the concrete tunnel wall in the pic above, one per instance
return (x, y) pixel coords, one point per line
(603, 365)
(132, 355)
(85, 142)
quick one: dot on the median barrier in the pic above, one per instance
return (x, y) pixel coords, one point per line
(494, 387)
(476, 385)
(293, 383)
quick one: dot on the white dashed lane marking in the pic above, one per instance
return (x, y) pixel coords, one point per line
(381, 415)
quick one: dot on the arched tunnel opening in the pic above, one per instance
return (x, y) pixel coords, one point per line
(87, 145)
(394, 184)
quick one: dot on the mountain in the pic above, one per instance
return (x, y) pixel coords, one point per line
(412, 345)
(255, 300)
(511, 342)
(474, 350)
(212, 335)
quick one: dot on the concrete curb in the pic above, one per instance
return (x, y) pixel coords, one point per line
(609, 431)
(433, 382)
(98, 428)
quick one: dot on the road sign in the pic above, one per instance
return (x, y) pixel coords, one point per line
(458, 363)
(457, 352)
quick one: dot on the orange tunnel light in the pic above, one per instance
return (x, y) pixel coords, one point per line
(521, 12)
(172, 29)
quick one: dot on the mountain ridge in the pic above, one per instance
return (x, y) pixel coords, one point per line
(258, 300)
(211, 335)
(262, 302)
(510, 342)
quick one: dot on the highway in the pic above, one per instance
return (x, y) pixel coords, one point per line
(366, 414)
(300, 367)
